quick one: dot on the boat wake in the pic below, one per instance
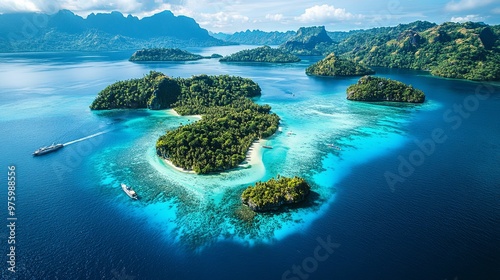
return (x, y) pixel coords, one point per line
(87, 137)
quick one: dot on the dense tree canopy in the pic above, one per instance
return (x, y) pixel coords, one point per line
(270, 195)
(230, 123)
(261, 54)
(336, 66)
(219, 141)
(464, 51)
(371, 88)
(163, 54)
(154, 91)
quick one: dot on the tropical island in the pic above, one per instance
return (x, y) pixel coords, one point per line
(261, 54)
(332, 66)
(370, 88)
(230, 122)
(167, 54)
(271, 195)
(453, 50)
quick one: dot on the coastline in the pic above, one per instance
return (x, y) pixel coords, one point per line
(253, 159)
(180, 169)
(174, 113)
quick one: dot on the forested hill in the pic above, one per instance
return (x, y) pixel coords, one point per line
(259, 38)
(261, 54)
(64, 31)
(464, 51)
(256, 37)
(309, 41)
(333, 66)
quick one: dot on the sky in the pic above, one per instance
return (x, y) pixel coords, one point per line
(280, 15)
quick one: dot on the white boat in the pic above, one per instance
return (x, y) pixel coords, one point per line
(129, 191)
(48, 149)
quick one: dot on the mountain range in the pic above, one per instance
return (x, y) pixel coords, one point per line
(109, 31)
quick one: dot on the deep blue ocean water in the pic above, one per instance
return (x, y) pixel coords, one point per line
(441, 220)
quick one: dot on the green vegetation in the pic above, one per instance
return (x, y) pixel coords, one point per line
(453, 50)
(230, 123)
(221, 139)
(163, 54)
(336, 66)
(309, 41)
(261, 54)
(270, 195)
(65, 31)
(153, 91)
(371, 88)
(464, 51)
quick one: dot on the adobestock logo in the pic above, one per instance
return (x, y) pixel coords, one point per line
(310, 264)
(454, 117)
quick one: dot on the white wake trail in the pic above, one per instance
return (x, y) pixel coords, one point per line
(87, 137)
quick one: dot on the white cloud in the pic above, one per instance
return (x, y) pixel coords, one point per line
(18, 5)
(467, 18)
(325, 13)
(496, 11)
(220, 19)
(464, 5)
(275, 17)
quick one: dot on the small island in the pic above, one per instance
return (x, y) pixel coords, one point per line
(262, 54)
(166, 54)
(230, 122)
(370, 88)
(333, 66)
(271, 195)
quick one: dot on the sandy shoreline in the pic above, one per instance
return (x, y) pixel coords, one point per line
(169, 163)
(253, 159)
(174, 113)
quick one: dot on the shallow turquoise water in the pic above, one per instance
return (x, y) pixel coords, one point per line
(76, 223)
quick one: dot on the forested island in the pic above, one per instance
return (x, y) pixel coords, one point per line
(220, 140)
(370, 88)
(332, 66)
(453, 50)
(167, 54)
(271, 195)
(261, 54)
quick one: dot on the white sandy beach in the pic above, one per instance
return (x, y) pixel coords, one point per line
(254, 155)
(253, 159)
(169, 163)
(172, 112)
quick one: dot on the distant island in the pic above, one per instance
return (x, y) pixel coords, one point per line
(333, 66)
(167, 54)
(220, 140)
(271, 195)
(370, 88)
(453, 50)
(261, 54)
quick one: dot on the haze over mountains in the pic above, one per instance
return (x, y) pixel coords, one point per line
(465, 51)
(67, 31)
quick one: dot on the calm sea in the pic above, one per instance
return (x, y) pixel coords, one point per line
(409, 192)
